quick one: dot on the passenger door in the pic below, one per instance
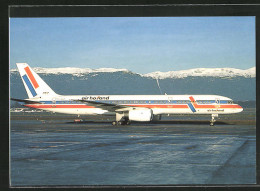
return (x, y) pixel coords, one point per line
(217, 101)
(53, 102)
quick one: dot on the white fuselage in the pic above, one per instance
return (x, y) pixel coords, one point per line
(159, 104)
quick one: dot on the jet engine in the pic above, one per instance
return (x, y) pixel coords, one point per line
(141, 115)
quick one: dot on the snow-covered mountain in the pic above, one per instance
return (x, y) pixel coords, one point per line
(204, 72)
(78, 81)
(74, 71)
(198, 72)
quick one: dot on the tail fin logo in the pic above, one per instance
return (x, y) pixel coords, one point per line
(31, 77)
(32, 83)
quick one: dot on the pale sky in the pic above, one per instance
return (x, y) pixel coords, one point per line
(139, 44)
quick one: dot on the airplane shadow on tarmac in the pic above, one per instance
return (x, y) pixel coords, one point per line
(157, 122)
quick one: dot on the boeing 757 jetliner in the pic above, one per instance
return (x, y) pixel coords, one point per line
(126, 108)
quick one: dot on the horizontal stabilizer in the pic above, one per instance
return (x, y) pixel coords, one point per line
(26, 101)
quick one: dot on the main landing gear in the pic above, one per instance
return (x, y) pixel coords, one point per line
(126, 122)
(212, 121)
(121, 119)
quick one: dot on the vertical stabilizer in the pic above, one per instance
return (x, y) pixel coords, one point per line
(34, 85)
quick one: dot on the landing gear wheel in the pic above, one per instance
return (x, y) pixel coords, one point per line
(213, 120)
(121, 123)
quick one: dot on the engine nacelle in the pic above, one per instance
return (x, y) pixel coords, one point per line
(141, 115)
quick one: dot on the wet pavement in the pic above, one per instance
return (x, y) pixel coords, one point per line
(56, 151)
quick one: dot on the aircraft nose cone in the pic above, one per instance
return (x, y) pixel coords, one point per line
(240, 109)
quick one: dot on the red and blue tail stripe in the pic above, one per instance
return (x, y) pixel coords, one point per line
(31, 77)
(29, 85)
(30, 82)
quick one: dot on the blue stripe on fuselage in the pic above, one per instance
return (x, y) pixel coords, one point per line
(157, 102)
(191, 107)
(29, 85)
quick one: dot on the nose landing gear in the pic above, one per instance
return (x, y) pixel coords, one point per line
(212, 121)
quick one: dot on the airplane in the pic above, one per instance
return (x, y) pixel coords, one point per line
(126, 108)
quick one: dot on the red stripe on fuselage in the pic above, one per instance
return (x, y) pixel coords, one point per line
(231, 106)
(161, 106)
(31, 77)
(42, 106)
(45, 106)
(225, 106)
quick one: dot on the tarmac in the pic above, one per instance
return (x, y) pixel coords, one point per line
(52, 150)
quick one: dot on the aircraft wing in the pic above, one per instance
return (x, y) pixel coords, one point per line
(109, 107)
(26, 101)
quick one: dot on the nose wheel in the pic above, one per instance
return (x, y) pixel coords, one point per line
(213, 120)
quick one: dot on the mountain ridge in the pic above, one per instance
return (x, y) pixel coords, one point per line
(204, 72)
(121, 83)
(196, 72)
